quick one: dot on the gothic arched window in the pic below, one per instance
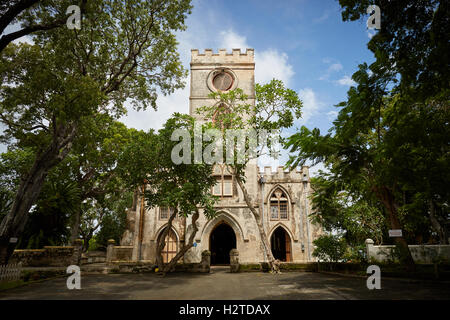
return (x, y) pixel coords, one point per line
(278, 205)
(171, 247)
(224, 181)
(165, 213)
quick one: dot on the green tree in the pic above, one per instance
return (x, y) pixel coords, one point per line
(114, 222)
(149, 165)
(105, 217)
(125, 50)
(93, 162)
(390, 133)
(336, 208)
(329, 248)
(275, 108)
(48, 221)
(31, 13)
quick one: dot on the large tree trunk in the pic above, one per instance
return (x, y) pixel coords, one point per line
(387, 197)
(436, 225)
(161, 242)
(274, 267)
(86, 241)
(14, 222)
(171, 265)
(75, 229)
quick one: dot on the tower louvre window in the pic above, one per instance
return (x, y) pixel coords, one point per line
(224, 182)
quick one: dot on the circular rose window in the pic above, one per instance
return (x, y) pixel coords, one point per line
(223, 81)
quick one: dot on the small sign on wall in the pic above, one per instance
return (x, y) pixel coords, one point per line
(13, 240)
(395, 233)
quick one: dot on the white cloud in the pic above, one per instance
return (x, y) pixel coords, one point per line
(311, 104)
(231, 39)
(323, 17)
(167, 105)
(314, 170)
(271, 64)
(371, 33)
(346, 81)
(333, 67)
(331, 115)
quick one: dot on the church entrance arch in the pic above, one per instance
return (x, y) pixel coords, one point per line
(221, 240)
(281, 245)
(171, 246)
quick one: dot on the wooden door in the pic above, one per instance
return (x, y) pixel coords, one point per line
(288, 247)
(170, 249)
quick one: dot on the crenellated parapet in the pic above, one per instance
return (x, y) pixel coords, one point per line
(222, 56)
(296, 175)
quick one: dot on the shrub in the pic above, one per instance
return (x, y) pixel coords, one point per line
(329, 248)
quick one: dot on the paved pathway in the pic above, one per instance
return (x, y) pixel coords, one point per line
(222, 285)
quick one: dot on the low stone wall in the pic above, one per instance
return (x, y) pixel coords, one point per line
(284, 267)
(127, 266)
(118, 253)
(49, 256)
(93, 257)
(122, 253)
(426, 254)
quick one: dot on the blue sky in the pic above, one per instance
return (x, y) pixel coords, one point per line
(305, 43)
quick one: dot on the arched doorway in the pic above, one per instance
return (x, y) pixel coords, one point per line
(171, 246)
(221, 241)
(281, 245)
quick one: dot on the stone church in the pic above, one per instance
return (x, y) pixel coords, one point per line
(282, 196)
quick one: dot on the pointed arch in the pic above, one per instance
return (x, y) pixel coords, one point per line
(281, 243)
(172, 243)
(161, 229)
(279, 203)
(274, 188)
(226, 217)
(283, 226)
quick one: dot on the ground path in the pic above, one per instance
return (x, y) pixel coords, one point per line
(220, 284)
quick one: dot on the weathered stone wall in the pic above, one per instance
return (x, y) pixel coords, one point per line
(237, 215)
(49, 256)
(94, 257)
(420, 253)
(233, 210)
(122, 253)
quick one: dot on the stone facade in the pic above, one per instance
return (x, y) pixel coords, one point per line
(291, 232)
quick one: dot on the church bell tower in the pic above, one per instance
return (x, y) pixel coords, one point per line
(220, 71)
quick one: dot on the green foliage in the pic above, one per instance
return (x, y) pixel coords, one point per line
(357, 216)
(355, 254)
(113, 223)
(388, 148)
(413, 42)
(329, 248)
(69, 85)
(181, 186)
(94, 245)
(276, 107)
(47, 223)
